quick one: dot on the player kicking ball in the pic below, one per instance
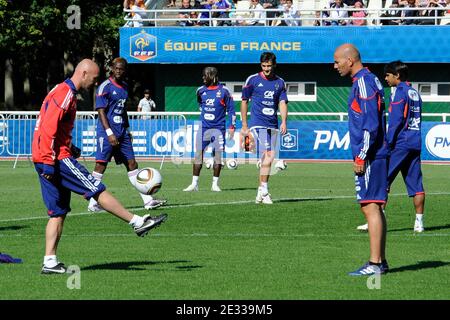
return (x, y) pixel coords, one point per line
(267, 93)
(215, 101)
(60, 173)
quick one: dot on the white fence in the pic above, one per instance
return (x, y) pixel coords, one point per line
(304, 16)
(17, 128)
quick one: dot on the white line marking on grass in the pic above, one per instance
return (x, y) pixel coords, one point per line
(229, 235)
(204, 204)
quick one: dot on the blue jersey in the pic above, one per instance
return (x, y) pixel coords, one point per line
(366, 117)
(214, 103)
(405, 112)
(112, 97)
(265, 95)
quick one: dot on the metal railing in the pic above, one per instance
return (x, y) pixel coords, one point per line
(374, 16)
(168, 131)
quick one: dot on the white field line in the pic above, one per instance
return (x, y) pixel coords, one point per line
(229, 235)
(204, 204)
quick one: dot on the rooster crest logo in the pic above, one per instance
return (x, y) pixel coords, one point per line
(143, 46)
(141, 43)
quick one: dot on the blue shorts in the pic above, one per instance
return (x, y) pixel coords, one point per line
(69, 176)
(122, 153)
(408, 163)
(210, 136)
(372, 185)
(266, 139)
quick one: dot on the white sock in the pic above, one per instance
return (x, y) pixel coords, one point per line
(264, 187)
(97, 176)
(132, 177)
(195, 180)
(419, 217)
(50, 261)
(215, 181)
(136, 221)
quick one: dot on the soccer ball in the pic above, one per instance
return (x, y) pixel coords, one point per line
(232, 164)
(148, 181)
(258, 164)
(281, 165)
(209, 163)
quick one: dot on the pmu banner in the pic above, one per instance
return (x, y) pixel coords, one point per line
(419, 44)
(305, 140)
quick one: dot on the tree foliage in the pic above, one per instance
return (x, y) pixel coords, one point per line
(35, 36)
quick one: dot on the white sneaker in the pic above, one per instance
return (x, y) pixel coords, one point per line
(363, 227)
(153, 204)
(263, 198)
(191, 187)
(418, 226)
(215, 188)
(94, 207)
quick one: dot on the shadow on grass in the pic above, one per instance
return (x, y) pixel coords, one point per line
(421, 265)
(135, 265)
(239, 189)
(303, 200)
(447, 226)
(14, 228)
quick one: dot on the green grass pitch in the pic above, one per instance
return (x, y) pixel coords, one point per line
(223, 245)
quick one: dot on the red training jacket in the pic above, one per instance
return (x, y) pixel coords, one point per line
(53, 132)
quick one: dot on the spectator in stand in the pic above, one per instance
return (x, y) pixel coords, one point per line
(291, 15)
(205, 16)
(392, 14)
(320, 15)
(137, 14)
(226, 6)
(430, 11)
(257, 17)
(279, 13)
(359, 14)
(411, 13)
(350, 3)
(185, 16)
(269, 4)
(171, 4)
(337, 14)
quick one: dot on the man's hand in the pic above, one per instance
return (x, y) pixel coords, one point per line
(283, 128)
(359, 166)
(113, 140)
(75, 151)
(231, 131)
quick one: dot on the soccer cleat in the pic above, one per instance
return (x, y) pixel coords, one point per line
(191, 187)
(150, 223)
(215, 188)
(263, 198)
(418, 226)
(95, 207)
(60, 268)
(153, 204)
(363, 227)
(370, 269)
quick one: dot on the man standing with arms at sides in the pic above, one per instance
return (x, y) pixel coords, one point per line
(404, 137)
(267, 92)
(215, 102)
(59, 173)
(113, 135)
(367, 127)
(146, 104)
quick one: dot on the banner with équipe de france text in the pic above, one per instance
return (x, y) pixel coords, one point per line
(309, 140)
(290, 44)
